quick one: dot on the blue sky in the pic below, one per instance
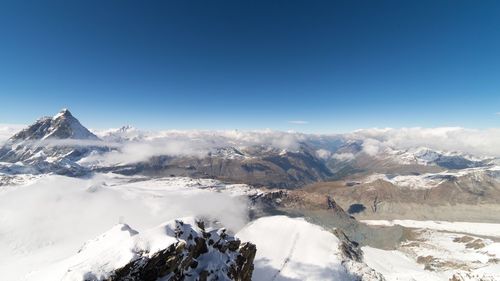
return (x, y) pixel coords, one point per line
(339, 65)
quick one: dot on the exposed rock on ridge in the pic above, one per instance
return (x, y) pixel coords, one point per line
(189, 258)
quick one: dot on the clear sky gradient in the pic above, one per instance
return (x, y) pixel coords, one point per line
(333, 66)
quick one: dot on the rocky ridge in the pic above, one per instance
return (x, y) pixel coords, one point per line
(189, 258)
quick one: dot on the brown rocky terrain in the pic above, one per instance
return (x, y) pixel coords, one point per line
(270, 168)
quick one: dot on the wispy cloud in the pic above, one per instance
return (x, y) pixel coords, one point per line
(8, 130)
(497, 113)
(298, 122)
(191, 143)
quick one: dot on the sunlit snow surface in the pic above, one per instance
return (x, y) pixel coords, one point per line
(395, 265)
(448, 248)
(430, 180)
(293, 249)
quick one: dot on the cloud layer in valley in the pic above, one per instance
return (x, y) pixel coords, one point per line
(130, 147)
(193, 143)
(8, 130)
(474, 141)
(51, 218)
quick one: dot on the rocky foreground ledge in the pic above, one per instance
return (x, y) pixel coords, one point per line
(177, 250)
(198, 255)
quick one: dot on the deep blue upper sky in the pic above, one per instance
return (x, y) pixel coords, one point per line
(339, 65)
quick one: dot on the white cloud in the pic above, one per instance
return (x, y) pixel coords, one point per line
(45, 221)
(474, 141)
(194, 143)
(8, 130)
(141, 151)
(323, 153)
(371, 146)
(298, 122)
(343, 156)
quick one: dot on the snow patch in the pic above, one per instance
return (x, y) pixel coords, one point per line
(293, 249)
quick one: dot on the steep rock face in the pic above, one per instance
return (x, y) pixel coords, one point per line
(337, 210)
(353, 259)
(198, 255)
(349, 249)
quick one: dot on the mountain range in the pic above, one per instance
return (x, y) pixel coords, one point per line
(394, 180)
(334, 181)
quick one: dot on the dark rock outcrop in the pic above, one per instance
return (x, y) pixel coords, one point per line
(353, 259)
(209, 255)
(349, 249)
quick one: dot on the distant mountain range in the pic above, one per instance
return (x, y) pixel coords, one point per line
(62, 145)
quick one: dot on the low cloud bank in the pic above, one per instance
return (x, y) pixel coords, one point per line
(132, 145)
(373, 141)
(8, 130)
(473, 141)
(51, 218)
(194, 143)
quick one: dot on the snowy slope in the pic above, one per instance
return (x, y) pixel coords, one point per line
(439, 250)
(294, 249)
(438, 255)
(122, 134)
(427, 156)
(430, 180)
(97, 258)
(395, 266)
(100, 258)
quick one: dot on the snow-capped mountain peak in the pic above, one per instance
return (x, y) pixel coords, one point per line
(63, 113)
(51, 144)
(123, 134)
(62, 126)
